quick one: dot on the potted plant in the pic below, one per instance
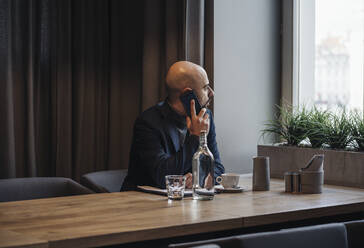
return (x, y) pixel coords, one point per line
(290, 125)
(317, 127)
(339, 136)
(339, 131)
(358, 130)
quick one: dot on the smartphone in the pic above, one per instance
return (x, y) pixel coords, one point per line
(186, 101)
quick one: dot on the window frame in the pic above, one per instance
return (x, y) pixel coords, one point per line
(293, 11)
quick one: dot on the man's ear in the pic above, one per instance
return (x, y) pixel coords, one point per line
(185, 90)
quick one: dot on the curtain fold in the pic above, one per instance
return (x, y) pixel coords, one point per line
(163, 45)
(74, 75)
(90, 85)
(59, 107)
(7, 132)
(126, 44)
(195, 31)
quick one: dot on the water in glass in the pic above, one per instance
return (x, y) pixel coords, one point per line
(175, 185)
(203, 171)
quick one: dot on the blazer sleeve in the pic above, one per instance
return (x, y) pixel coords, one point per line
(212, 144)
(150, 152)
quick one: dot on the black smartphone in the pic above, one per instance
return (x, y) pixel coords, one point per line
(186, 101)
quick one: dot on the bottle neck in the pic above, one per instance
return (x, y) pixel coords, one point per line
(203, 138)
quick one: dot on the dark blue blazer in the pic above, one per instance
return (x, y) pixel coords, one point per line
(158, 149)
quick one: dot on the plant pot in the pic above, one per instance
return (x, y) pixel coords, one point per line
(343, 168)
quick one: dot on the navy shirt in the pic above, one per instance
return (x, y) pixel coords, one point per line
(161, 146)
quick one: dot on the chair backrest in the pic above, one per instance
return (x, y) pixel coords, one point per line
(229, 242)
(17, 189)
(207, 246)
(320, 236)
(104, 181)
(355, 233)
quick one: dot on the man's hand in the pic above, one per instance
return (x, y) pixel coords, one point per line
(188, 181)
(199, 122)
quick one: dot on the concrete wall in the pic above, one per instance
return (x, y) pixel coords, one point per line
(247, 76)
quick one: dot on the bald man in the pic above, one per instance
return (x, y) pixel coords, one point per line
(165, 137)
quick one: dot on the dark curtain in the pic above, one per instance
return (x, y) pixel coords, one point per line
(74, 75)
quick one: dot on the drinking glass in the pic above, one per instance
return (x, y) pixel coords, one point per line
(175, 185)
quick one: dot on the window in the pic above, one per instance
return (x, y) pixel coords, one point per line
(327, 53)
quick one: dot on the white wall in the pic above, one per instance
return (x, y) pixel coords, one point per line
(246, 76)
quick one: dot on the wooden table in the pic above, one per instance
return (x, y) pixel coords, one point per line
(13, 239)
(105, 219)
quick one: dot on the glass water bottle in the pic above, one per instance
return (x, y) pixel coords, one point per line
(203, 171)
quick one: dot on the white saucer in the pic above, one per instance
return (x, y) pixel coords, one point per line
(221, 189)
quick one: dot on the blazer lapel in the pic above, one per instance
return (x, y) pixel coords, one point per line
(173, 134)
(171, 129)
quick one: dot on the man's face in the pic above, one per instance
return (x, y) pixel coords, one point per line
(204, 93)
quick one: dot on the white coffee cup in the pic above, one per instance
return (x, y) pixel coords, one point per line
(228, 180)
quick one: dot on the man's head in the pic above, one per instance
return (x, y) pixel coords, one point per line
(183, 76)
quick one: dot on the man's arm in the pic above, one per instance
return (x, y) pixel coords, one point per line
(211, 142)
(150, 153)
